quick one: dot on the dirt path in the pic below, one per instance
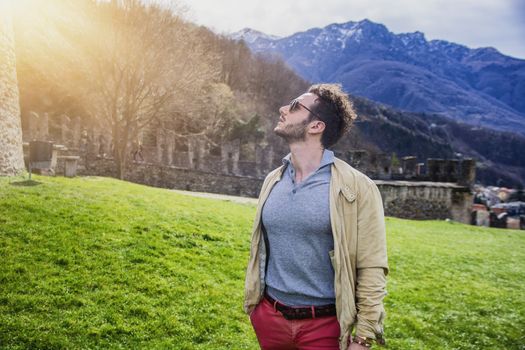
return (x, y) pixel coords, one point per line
(236, 199)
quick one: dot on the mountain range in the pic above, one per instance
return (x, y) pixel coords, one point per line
(481, 87)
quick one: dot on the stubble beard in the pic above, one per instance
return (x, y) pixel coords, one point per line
(293, 132)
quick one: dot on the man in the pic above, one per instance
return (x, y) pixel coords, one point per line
(318, 261)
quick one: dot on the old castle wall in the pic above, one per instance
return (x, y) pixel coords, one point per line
(404, 199)
(426, 200)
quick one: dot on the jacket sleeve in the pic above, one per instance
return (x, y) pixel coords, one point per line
(372, 265)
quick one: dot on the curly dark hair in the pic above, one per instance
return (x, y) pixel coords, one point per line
(335, 109)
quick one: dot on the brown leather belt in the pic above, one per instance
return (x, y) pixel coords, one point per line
(300, 313)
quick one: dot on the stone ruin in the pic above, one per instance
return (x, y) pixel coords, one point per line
(459, 171)
(163, 147)
(155, 145)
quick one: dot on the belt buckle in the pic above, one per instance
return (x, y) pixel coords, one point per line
(287, 316)
(296, 313)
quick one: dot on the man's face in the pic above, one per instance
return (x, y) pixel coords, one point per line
(293, 125)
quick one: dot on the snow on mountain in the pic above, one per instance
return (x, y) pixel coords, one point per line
(250, 36)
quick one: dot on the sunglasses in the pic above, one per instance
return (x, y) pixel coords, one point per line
(295, 104)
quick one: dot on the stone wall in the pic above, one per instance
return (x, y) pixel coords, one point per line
(11, 153)
(426, 200)
(403, 199)
(175, 178)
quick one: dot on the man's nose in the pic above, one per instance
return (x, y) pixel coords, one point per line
(283, 109)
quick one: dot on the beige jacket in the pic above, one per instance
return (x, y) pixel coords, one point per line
(359, 257)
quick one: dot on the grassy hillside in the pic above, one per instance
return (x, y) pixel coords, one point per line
(100, 263)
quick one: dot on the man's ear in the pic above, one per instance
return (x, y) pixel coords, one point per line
(317, 127)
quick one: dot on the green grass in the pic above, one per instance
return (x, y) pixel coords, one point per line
(100, 263)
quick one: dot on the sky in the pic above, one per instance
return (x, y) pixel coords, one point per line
(474, 23)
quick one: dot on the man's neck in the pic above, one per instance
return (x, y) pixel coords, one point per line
(306, 158)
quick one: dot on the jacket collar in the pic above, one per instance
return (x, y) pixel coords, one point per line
(344, 175)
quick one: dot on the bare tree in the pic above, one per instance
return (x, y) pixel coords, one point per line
(147, 66)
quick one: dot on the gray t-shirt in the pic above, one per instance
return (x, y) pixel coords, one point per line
(296, 219)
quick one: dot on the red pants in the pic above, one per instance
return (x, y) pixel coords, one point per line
(274, 332)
